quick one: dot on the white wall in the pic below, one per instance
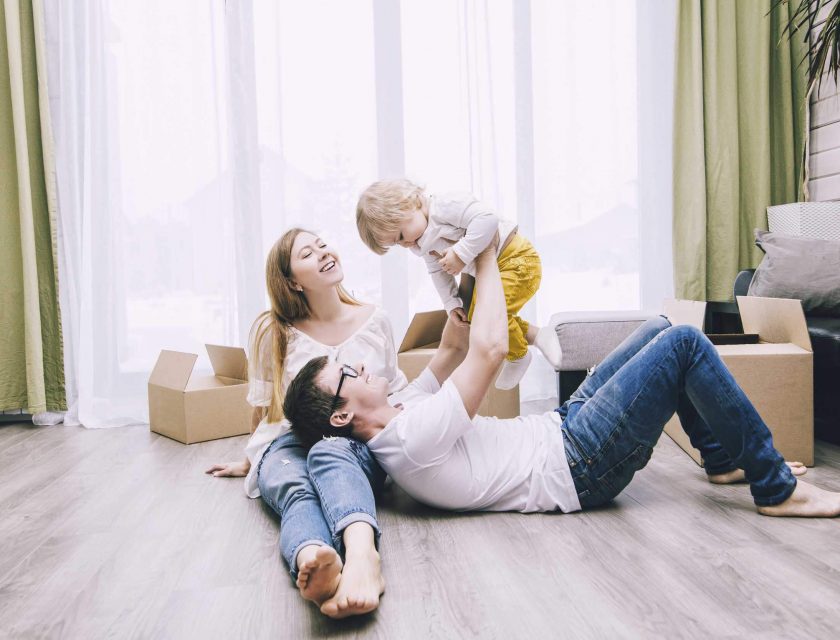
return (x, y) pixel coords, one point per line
(824, 152)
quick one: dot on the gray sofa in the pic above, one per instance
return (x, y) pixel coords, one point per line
(586, 338)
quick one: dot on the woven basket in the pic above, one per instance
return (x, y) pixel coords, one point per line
(809, 219)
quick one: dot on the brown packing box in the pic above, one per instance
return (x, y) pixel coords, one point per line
(419, 345)
(776, 373)
(194, 408)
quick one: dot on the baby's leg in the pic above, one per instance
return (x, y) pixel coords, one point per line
(521, 272)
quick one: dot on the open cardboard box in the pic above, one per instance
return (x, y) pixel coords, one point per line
(419, 345)
(193, 408)
(772, 362)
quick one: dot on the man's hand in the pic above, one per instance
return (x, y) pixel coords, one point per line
(459, 317)
(230, 469)
(451, 263)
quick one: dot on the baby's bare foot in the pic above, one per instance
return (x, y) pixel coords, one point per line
(806, 501)
(319, 574)
(737, 475)
(359, 589)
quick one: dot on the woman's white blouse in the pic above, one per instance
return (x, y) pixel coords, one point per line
(372, 343)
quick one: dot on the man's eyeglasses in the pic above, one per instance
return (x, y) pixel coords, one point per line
(346, 372)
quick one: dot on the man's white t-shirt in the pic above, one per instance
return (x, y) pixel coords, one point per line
(441, 457)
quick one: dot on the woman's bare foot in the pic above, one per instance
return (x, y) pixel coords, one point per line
(737, 475)
(319, 573)
(360, 586)
(806, 501)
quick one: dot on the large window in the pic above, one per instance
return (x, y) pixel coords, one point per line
(316, 106)
(192, 134)
(586, 170)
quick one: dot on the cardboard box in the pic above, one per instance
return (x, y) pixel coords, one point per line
(194, 408)
(419, 345)
(775, 372)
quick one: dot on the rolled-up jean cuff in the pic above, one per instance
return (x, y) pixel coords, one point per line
(717, 470)
(779, 498)
(351, 518)
(293, 569)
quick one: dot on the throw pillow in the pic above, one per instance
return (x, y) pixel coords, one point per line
(806, 269)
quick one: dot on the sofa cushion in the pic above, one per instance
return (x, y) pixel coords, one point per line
(825, 340)
(806, 269)
(587, 337)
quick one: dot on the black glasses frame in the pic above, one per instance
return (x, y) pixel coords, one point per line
(346, 372)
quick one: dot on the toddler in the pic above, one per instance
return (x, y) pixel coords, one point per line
(449, 230)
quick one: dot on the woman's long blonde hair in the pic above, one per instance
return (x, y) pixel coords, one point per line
(288, 305)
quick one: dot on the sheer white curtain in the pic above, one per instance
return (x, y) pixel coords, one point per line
(560, 114)
(191, 134)
(145, 194)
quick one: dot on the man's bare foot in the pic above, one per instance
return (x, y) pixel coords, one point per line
(319, 572)
(806, 501)
(359, 589)
(737, 475)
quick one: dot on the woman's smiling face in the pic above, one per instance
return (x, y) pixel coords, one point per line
(314, 264)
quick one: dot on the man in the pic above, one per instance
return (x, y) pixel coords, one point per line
(429, 439)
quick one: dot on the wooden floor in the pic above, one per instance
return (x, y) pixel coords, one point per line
(118, 534)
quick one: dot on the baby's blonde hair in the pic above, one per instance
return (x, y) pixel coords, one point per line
(381, 209)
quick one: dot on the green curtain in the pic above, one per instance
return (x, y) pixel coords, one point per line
(740, 126)
(31, 363)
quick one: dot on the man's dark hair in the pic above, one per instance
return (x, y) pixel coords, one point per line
(309, 407)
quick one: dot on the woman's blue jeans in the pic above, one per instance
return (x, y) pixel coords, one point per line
(346, 471)
(614, 419)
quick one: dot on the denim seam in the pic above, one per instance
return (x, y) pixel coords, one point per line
(763, 500)
(622, 419)
(712, 471)
(581, 452)
(259, 468)
(614, 434)
(328, 515)
(779, 498)
(732, 400)
(356, 516)
(620, 464)
(352, 518)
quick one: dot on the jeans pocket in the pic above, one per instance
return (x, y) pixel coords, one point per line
(619, 475)
(580, 452)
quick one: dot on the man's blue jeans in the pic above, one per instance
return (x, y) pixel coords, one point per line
(350, 475)
(612, 422)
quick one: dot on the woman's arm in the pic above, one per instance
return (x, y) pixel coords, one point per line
(230, 469)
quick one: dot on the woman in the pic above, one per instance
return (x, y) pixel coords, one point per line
(312, 315)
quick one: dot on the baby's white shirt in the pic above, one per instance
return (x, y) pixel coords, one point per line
(459, 221)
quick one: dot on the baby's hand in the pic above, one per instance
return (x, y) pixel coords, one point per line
(451, 263)
(459, 317)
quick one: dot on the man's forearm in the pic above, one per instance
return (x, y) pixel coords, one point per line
(489, 330)
(451, 352)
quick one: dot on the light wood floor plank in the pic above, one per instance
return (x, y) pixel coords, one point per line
(118, 533)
